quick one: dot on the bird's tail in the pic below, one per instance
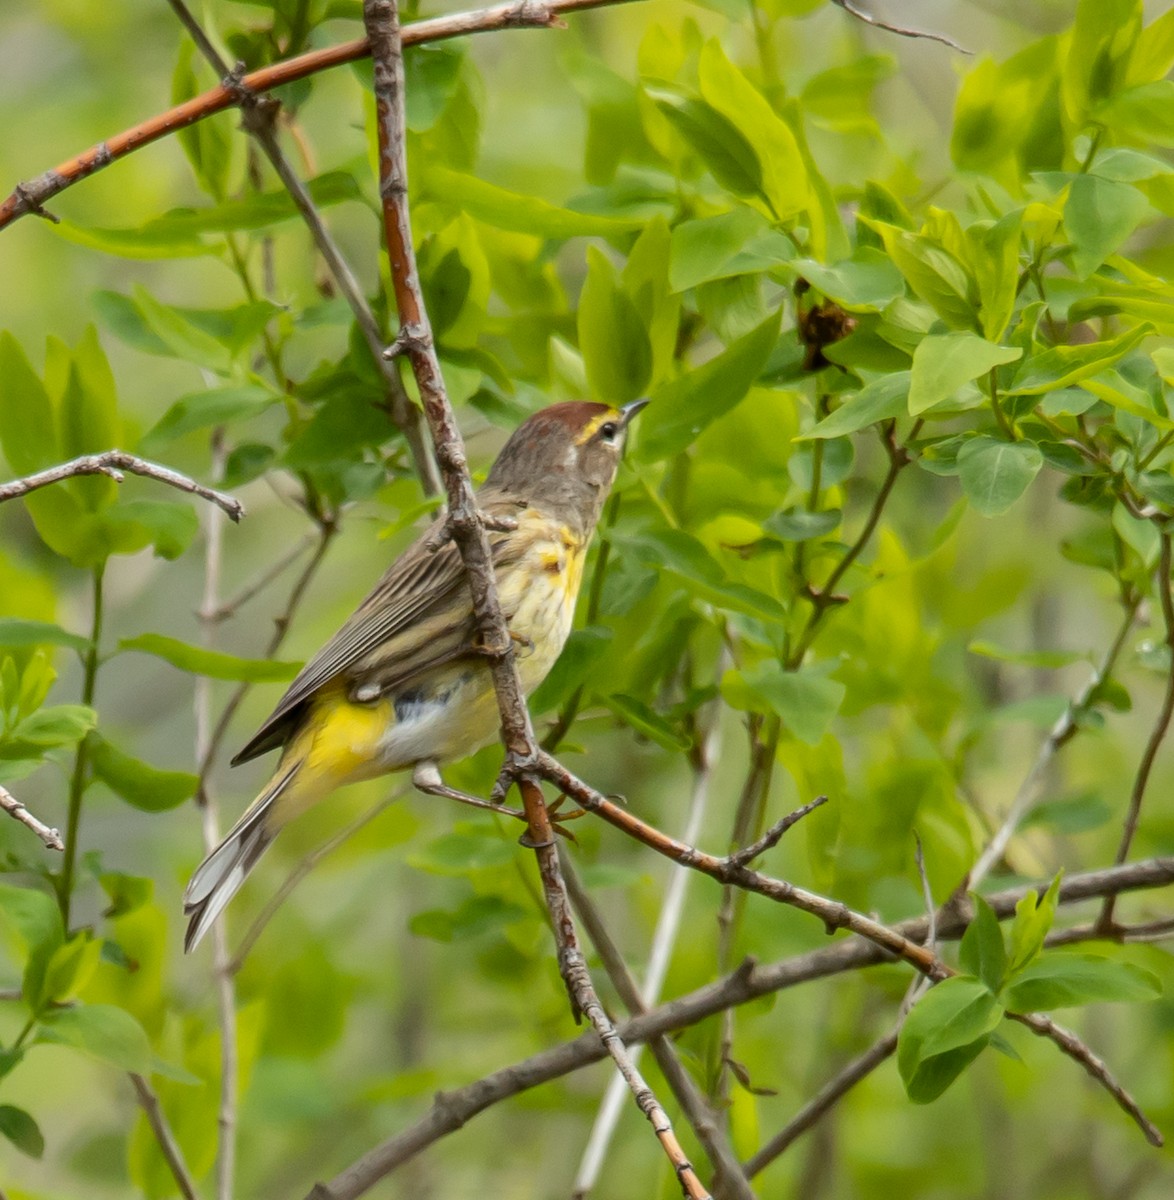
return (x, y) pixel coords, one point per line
(219, 877)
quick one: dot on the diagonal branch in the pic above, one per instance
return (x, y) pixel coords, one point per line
(157, 1119)
(13, 807)
(467, 529)
(258, 119)
(451, 1110)
(850, 7)
(31, 196)
(113, 463)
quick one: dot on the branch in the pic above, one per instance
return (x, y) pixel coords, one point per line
(695, 1106)
(259, 116)
(31, 196)
(381, 18)
(157, 1119)
(113, 463)
(849, 6)
(1058, 736)
(822, 1102)
(1161, 721)
(1075, 1049)
(13, 807)
(451, 1110)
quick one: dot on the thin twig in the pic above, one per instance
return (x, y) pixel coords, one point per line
(259, 114)
(300, 871)
(381, 19)
(729, 1183)
(227, 609)
(849, 6)
(1075, 1049)
(451, 1110)
(1161, 721)
(822, 1102)
(210, 824)
(771, 838)
(157, 1119)
(29, 197)
(1058, 736)
(693, 1102)
(113, 463)
(13, 807)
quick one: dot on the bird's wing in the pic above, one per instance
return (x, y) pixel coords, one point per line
(418, 616)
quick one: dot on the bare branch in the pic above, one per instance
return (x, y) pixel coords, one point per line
(1058, 736)
(849, 6)
(30, 196)
(381, 18)
(258, 119)
(1161, 721)
(822, 1102)
(13, 807)
(113, 463)
(451, 1110)
(157, 1119)
(227, 609)
(1072, 1046)
(668, 923)
(771, 838)
(300, 871)
(210, 824)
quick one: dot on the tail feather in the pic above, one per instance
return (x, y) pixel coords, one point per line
(219, 877)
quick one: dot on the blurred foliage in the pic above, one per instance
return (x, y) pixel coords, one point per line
(905, 475)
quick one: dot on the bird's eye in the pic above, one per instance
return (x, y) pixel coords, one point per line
(609, 430)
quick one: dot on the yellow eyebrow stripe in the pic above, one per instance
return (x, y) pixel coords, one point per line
(592, 426)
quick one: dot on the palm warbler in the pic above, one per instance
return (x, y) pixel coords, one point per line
(402, 684)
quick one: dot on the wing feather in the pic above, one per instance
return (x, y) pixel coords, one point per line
(424, 592)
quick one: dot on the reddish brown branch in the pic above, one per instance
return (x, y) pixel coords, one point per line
(32, 195)
(467, 529)
(451, 1110)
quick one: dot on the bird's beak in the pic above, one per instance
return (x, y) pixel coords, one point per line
(631, 410)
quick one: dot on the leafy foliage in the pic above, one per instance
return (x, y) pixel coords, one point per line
(905, 473)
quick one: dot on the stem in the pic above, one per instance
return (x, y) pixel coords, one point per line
(77, 783)
(1005, 426)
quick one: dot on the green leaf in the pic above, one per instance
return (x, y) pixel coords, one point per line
(683, 408)
(69, 969)
(15, 632)
(1099, 215)
(729, 157)
(1061, 979)
(58, 725)
(805, 699)
(934, 273)
(142, 786)
(89, 419)
(943, 363)
(108, 1033)
(584, 648)
(28, 424)
(211, 663)
(1062, 366)
(1033, 920)
(784, 173)
(21, 1130)
(881, 400)
(644, 720)
(738, 242)
(182, 338)
(994, 473)
(36, 919)
(169, 527)
(1145, 112)
(801, 525)
(460, 854)
(612, 337)
(945, 1031)
(1045, 659)
(202, 410)
(515, 212)
(983, 952)
(865, 282)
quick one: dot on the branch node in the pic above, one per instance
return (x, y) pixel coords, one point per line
(411, 339)
(30, 204)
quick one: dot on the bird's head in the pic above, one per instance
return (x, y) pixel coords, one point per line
(565, 455)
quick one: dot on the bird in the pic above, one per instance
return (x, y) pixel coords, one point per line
(403, 684)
